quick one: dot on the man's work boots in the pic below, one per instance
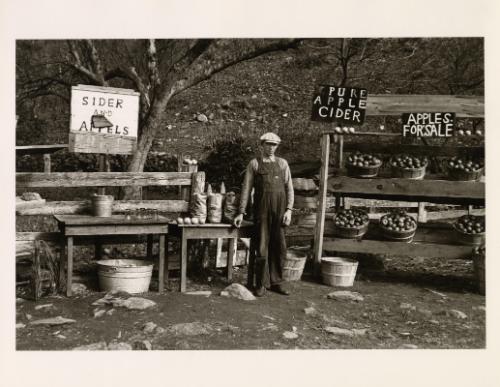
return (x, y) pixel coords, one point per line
(260, 291)
(280, 289)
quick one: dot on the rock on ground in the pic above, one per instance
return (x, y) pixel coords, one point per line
(345, 295)
(290, 335)
(20, 325)
(409, 346)
(189, 329)
(100, 346)
(119, 347)
(345, 332)
(149, 327)
(457, 314)
(59, 320)
(79, 289)
(44, 306)
(143, 345)
(309, 310)
(121, 299)
(238, 291)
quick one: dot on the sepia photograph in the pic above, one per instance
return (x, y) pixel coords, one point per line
(250, 194)
(244, 197)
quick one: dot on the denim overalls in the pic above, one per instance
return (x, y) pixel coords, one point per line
(269, 208)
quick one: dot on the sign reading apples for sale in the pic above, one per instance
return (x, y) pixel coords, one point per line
(428, 124)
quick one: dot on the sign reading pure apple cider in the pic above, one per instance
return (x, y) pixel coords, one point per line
(103, 120)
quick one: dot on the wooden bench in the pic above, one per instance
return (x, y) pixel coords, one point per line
(194, 181)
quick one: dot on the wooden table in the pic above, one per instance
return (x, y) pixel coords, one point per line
(208, 231)
(81, 226)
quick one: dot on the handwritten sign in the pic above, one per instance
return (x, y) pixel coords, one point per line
(103, 120)
(339, 104)
(428, 124)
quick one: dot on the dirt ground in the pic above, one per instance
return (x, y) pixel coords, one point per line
(407, 303)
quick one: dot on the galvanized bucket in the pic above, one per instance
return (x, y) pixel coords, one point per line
(129, 275)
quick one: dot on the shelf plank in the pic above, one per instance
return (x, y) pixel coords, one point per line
(101, 179)
(433, 191)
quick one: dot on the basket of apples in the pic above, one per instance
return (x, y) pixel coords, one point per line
(409, 167)
(398, 226)
(470, 229)
(351, 223)
(363, 165)
(465, 169)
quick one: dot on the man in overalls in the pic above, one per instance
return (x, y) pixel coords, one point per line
(272, 209)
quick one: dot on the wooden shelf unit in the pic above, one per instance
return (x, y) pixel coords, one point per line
(432, 239)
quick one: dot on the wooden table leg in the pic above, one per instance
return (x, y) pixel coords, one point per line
(231, 251)
(62, 262)
(166, 260)
(69, 274)
(183, 262)
(98, 250)
(161, 261)
(149, 247)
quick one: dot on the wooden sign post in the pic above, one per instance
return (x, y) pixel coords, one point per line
(104, 120)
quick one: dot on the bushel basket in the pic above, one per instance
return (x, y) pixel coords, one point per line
(399, 236)
(351, 232)
(461, 175)
(362, 171)
(409, 173)
(293, 266)
(337, 271)
(468, 238)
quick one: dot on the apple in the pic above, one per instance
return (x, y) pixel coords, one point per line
(180, 221)
(352, 218)
(470, 224)
(187, 220)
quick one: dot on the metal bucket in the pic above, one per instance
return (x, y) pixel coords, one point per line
(102, 205)
(337, 271)
(129, 275)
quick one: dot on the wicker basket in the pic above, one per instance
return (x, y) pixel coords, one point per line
(351, 232)
(338, 271)
(409, 173)
(363, 172)
(469, 239)
(293, 266)
(399, 236)
(461, 175)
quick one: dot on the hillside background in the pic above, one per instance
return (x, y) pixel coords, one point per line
(269, 93)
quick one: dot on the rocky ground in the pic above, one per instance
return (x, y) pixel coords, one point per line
(387, 308)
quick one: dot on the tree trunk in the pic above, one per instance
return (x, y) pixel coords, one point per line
(139, 157)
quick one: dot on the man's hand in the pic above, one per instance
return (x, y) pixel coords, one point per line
(237, 220)
(287, 218)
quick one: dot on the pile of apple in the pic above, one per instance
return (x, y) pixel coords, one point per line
(470, 224)
(468, 132)
(363, 160)
(345, 130)
(398, 221)
(188, 220)
(408, 162)
(352, 218)
(465, 164)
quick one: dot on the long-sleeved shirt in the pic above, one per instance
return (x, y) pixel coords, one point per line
(252, 167)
